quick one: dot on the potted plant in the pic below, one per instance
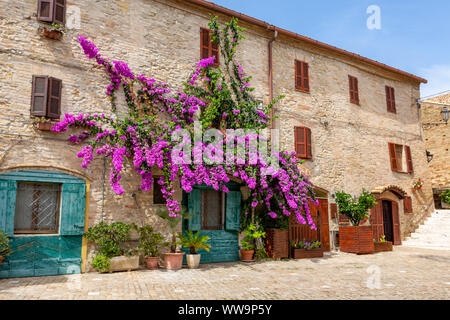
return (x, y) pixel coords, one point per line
(306, 249)
(382, 245)
(173, 260)
(445, 199)
(150, 243)
(5, 248)
(43, 124)
(356, 238)
(112, 256)
(194, 243)
(252, 233)
(53, 31)
(418, 185)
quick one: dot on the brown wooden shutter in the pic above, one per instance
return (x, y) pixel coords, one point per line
(39, 96)
(298, 75)
(390, 99)
(305, 76)
(393, 157)
(376, 220)
(407, 205)
(393, 100)
(353, 86)
(54, 98)
(396, 224)
(324, 225)
(215, 51)
(45, 10)
(409, 159)
(204, 43)
(308, 143)
(303, 146)
(333, 210)
(59, 12)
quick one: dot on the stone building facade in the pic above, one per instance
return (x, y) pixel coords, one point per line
(437, 142)
(160, 38)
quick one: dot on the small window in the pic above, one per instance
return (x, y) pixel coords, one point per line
(353, 86)
(213, 208)
(52, 11)
(390, 99)
(400, 158)
(301, 76)
(302, 136)
(46, 97)
(208, 48)
(37, 208)
(157, 193)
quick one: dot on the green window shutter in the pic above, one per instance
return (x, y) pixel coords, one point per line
(195, 221)
(73, 207)
(8, 191)
(233, 211)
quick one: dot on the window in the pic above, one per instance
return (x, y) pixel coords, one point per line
(212, 209)
(52, 11)
(46, 97)
(302, 136)
(353, 86)
(400, 158)
(157, 194)
(301, 76)
(208, 48)
(390, 99)
(407, 205)
(37, 208)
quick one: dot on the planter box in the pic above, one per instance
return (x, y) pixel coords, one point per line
(383, 246)
(277, 243)
(124, 263)
(51, 33)
(306, 254)
(44, 126)
(445, 205)
(356, 239)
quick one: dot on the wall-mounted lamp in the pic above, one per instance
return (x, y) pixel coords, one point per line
(445, 114)
(429, 156)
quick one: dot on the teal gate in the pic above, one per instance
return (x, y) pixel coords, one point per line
(43, 212)
(224, 240)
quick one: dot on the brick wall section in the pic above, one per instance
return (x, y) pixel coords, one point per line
(437, 137)
(161, 39)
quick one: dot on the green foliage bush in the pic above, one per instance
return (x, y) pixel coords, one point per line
(445, 196)
(101, 263)
(251, 234)
(109, 238)
(150, 241)
(355, 209)
(5, 248)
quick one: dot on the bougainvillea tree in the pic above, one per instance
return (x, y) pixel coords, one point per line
(213, 97)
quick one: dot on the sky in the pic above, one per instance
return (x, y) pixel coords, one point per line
(414, 35)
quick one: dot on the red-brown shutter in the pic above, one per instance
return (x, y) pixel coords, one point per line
(59, 12)
(301, 76)
(393, 157)
(39, 96)
(308, 143)
(300, 142)
(409, 159)
(333, 210)
(396, 224)
(376, 220)
(353, 86)
(407, 205)
(208, 48)
(393, 100)
(54, 98)
(45, 10)
(324, 225)
(390, 99)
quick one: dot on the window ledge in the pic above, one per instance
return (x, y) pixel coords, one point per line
(302, 90)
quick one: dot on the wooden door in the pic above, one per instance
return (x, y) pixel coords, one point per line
(324, 227)
(396, 224)
(376, 220)
(387, 220)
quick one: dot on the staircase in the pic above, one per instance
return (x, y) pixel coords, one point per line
(433, 234)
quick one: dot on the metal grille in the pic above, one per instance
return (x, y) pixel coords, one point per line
(37, 207)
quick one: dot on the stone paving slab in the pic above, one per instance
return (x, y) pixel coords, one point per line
(405, 273)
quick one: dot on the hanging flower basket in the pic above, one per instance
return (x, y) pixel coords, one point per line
(417, 185)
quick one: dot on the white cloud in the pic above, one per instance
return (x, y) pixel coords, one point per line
(438, 77)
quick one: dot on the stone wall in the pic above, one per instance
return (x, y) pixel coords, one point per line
(160, 38)
(437, 140)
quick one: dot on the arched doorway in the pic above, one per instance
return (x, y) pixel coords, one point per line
(384, 217)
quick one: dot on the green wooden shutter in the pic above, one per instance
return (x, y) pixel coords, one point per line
(195, 221)
(233, 211)
(73, 207)
(8, 191)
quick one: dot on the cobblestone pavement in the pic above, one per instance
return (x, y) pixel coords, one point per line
(405, 273)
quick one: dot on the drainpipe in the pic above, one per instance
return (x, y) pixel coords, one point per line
(275, 35)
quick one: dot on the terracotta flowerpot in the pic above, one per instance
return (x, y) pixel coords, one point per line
(193, 260)
(173, 261)
(152, 263)
(277, 243)
(1, 259)
(356, 239)
(247, 255)
(51, 34)
(383, 246)
(306, 254)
